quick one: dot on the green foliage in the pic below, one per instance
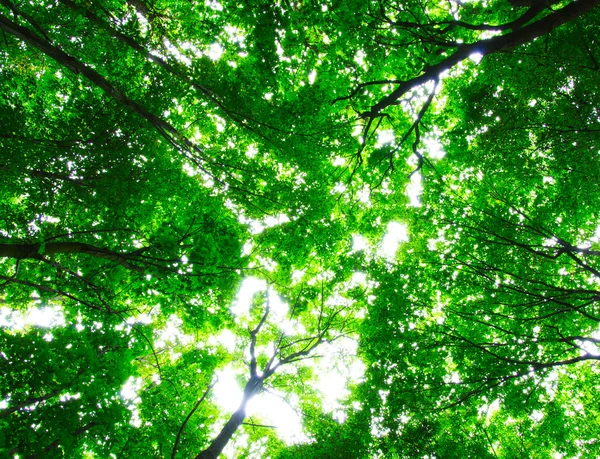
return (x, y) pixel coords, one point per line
(63, 383)
(155, 156)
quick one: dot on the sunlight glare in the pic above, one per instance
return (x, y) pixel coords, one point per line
(476, 57)
(47, 316)
(359, 243)
(226, 338)
(215, 51)
(336, 365)
(396, 233)
(414, 190)
(385, 137)
(227, 392)
(272, 409)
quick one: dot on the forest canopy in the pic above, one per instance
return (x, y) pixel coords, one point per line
(297, 229)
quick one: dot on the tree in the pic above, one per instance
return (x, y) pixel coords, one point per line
(287, 350)
(157, 155)
(503, 308)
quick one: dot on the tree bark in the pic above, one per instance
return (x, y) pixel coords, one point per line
(36, 251)
(218, 444)
(168, 131)
(253, 386)
(492, 45)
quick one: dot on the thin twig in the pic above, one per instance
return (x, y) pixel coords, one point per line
(196, 406)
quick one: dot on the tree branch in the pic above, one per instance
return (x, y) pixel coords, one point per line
(170, 133)
(253, 337)
(178, 438)
(39, 250)
(7, 412)
(488, 46)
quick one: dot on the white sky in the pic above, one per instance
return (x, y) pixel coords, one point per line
(335, 369)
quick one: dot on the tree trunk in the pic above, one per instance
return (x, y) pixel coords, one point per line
(235, 421)
(221, 440)
(163, 127)
(36, 251)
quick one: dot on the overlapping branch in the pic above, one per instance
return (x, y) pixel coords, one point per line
(484, 47)
(212, 167)
(518, 34)
(301, 349)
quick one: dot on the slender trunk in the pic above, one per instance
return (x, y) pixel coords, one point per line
(121, 36)
(77, 67)
(173, 70)
(221, 440)
(188, 417)
(36, 251)
(253, 386)
(168, 131)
